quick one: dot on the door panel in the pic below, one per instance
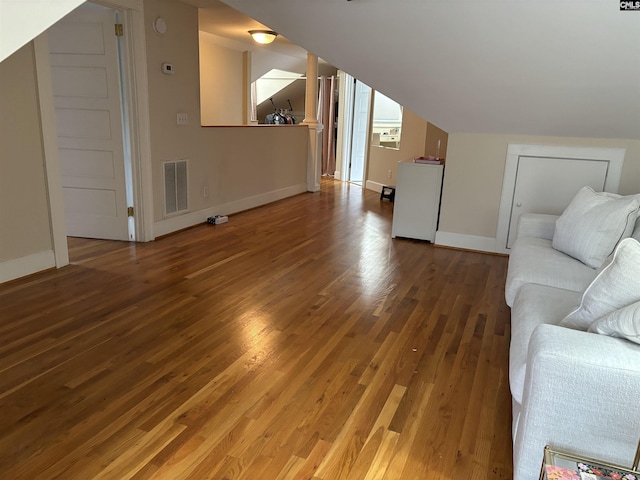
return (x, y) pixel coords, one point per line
(78, 123)
(86, 163)
(82, 82)
(360, 127)
(90, 201)
(87, 99)
(547, 185)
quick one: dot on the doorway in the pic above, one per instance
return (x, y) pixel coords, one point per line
(355, 129)
(139, 128)
(87, 71)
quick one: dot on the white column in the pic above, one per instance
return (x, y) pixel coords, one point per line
(311, 92)
(246, 88)
(315, 128)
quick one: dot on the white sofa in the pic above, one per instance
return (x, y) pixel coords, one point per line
(572, 389)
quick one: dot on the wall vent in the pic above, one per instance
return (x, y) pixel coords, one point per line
(175, 187)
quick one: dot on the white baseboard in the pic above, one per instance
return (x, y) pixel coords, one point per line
(187, 220)
(23, 266)
(375, 186)
(337, 175)
(467, 242)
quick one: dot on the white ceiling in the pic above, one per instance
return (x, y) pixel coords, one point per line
(543, 67)
(231, 29)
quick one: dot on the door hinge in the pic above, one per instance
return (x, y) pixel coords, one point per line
(119, 30)
(130, 211)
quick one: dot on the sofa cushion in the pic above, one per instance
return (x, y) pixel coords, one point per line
(592, 225)
(636, 231)
(616, 285)
(533, 305)
(533, 260)
(621, 323)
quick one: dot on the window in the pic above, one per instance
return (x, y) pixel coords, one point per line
(387, 122)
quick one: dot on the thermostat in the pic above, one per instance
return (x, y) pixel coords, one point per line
(168, 68)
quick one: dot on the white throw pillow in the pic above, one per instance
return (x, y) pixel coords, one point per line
(616, 286)
(592, 225)
(621, 323)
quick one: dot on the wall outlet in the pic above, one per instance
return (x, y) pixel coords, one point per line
(183, 119)
(389, 174)
(205, 191)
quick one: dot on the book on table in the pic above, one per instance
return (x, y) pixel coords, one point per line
(563, 466)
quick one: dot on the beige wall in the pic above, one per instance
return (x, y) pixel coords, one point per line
(171, 94)
(382, 159)
(241, 162)
(24, 210)
(233, 162)
(221, 81)
(435, 134)
(419, 137)
(475, 168)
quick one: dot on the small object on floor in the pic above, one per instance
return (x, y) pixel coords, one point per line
(388, 192)
(217, 219)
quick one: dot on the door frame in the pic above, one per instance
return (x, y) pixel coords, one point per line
(614, 156)
(137, 103)
(367, 131)
(345, 125)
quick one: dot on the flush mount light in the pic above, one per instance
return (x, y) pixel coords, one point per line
(263, 36)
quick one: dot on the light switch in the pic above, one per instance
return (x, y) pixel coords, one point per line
(183, 119)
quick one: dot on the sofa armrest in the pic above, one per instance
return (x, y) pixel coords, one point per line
(537, 225)
(581, 395)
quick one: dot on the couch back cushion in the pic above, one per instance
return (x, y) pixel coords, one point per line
(616, 286)
(593, 224)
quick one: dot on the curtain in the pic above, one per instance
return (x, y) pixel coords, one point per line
(327, 116)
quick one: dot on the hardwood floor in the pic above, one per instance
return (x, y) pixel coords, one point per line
(297, 341)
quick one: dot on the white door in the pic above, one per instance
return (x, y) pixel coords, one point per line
(86, 87)
(547, 185)
(360, 128)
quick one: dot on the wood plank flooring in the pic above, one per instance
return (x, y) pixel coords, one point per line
(297, 341)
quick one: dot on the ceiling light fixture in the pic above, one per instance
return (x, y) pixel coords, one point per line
(263, 37)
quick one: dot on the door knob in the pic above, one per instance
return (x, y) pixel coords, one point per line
(519, 204)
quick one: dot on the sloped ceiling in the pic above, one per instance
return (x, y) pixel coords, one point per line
(541, 67)
(19, 24)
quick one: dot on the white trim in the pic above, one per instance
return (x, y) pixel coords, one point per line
(314, 157)
(375, 186)
(466, 242)
(50, 151)
(337, 175)
(138, 105)
(615, 157)
(181, 222)
(345, 123)
(20, 267)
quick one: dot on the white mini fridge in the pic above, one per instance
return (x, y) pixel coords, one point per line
(417, 201)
